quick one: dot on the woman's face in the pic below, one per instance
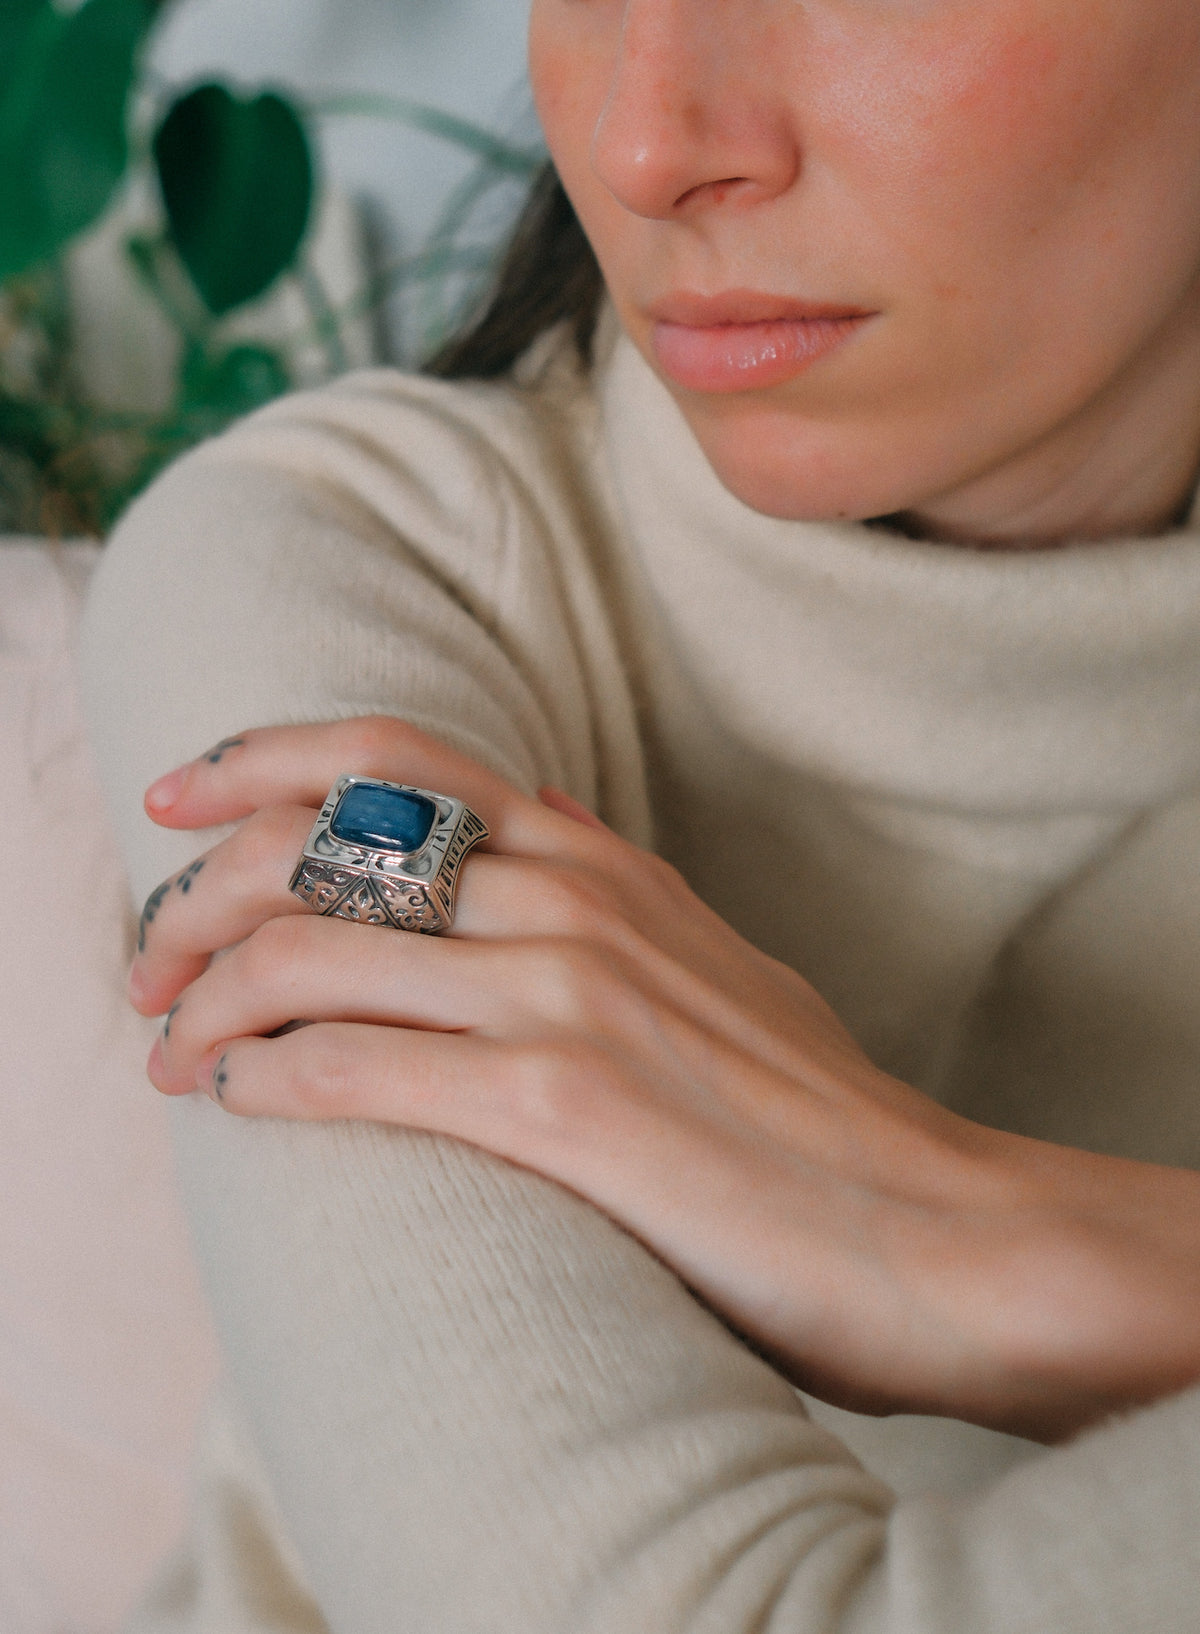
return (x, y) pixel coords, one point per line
(929, 256)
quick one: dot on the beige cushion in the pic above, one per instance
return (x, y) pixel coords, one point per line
(105, 1349)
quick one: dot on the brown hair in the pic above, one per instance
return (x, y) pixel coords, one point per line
(547, 275)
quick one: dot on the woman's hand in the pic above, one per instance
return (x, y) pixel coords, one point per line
(591, 1019)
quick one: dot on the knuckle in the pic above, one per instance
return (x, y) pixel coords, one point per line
(624, 876)
(322, 1076)
(372, 743)
(273, 945)
(664, 873)
(570, 980)
(265, 835)
(575, 903)
(642, 869)
(552, 1082)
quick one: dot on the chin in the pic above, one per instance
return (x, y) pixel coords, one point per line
(802, 477)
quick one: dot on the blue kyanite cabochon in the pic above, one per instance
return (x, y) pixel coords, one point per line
(384, 819)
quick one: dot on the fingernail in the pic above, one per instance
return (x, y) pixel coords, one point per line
(163, 794)
(137, 987)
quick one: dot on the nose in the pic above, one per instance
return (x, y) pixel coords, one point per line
(691, 120)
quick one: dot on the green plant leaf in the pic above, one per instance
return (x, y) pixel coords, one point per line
(65, 81)
(16, 19)
(233, 381)
(237, 182)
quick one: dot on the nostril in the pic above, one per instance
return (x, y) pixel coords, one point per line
(713, 192)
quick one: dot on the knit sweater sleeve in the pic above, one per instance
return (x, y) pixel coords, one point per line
(480, 1407)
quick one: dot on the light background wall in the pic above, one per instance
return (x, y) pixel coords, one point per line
(465, 56)
(105, 1351)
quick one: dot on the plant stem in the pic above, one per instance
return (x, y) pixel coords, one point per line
(435, 315)
(325, 318)
(147, 255)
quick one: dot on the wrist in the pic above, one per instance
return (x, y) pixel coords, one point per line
(1092, 1301)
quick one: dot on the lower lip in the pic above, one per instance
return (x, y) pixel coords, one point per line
(731, 357)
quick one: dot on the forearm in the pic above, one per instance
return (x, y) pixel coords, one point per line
(481, 1406)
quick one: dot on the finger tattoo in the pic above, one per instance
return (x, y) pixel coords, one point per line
(159, 895)
(217, 754)
(150, 912)
(189, 874)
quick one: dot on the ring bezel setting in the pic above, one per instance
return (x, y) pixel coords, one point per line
(365, 859)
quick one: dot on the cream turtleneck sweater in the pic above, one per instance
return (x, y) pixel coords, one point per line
(956, 790)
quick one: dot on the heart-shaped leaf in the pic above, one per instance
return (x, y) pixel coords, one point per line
(65, 80)
(237, 183)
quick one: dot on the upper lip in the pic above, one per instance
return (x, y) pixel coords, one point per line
(745, 306)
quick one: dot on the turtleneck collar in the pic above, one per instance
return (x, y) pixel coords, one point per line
(1015, 683)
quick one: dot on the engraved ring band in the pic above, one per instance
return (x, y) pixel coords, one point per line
(386, 854)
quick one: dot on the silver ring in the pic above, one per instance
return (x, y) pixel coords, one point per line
(386, 854)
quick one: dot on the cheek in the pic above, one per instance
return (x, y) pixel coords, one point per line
(1038, 217)
(566, 75)
(978, 133)
(1004, 130)
(572, 49)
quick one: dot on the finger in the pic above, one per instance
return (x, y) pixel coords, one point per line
(556, 1108)
(243, 882)
(559, 800)
(634, 913)
(216, 901)
(318, 970)
(227, 893)
(297, 765)
(452, 1084)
